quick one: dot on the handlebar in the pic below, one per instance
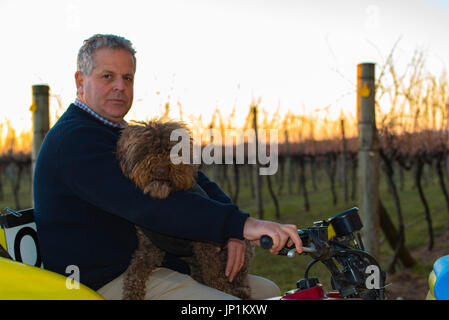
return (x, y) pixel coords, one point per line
(266, 242)
(318, 239)
(338, 239)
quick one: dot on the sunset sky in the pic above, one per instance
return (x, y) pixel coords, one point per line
(208, 54)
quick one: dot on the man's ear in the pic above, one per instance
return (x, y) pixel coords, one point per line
(79, 80)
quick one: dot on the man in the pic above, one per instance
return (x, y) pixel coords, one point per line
(86, 209)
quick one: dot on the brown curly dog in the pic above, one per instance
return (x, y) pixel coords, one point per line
(143, 151)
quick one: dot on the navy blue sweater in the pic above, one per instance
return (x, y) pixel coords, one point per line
(86, 209)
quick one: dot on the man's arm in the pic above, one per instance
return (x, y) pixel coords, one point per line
(212, 189)
(88, 165)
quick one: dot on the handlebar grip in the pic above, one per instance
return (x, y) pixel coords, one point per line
(266, 242)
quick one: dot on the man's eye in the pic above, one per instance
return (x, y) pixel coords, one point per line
(107, 76)
(129, 79)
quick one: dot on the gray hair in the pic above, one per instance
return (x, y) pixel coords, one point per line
(85, 62)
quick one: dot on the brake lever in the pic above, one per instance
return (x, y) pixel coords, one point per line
(310, 249)
(291, 252)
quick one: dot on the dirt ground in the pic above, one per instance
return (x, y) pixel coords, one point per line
(408, 284)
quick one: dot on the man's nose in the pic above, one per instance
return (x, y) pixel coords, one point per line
(119, 84)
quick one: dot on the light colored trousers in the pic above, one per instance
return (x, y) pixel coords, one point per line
(166, 284)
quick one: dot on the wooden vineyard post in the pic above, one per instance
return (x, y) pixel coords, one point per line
(41, 123)
(343, 161)
(368, 143)
(257, 180)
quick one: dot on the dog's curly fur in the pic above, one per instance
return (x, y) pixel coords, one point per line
(143, 152)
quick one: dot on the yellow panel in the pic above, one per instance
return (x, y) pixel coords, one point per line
(3, 239)
(330, 232)
(432, 279)
(24, 282)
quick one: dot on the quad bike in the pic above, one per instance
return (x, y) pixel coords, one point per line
(337, 244)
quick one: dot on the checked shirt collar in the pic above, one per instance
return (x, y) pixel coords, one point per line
(83, 106)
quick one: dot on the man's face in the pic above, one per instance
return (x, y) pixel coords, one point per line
(108, 90)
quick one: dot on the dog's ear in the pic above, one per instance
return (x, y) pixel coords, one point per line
(132, 147)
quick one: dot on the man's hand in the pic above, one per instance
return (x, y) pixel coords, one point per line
(236, 257)
(254, 229)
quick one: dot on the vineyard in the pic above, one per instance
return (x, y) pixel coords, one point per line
(318, 160)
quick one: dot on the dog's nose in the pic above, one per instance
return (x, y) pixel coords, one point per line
(161, 171)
